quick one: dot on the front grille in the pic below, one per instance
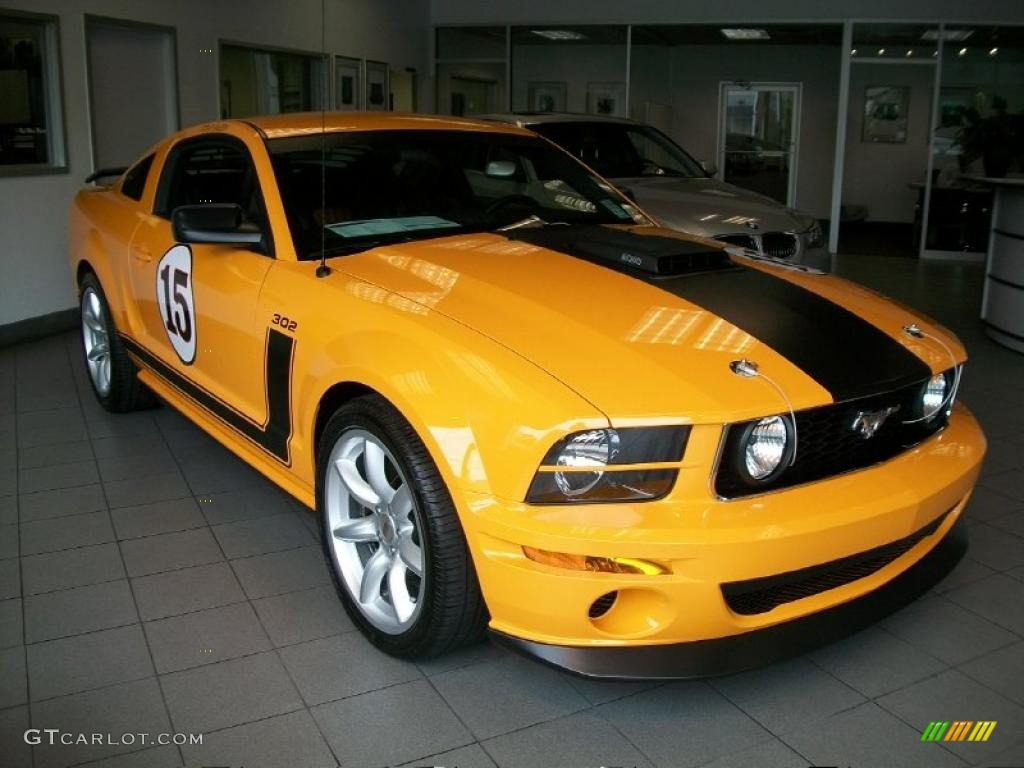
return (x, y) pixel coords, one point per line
(743, 241)
(778, 245)
(749, 598)
(827, 443)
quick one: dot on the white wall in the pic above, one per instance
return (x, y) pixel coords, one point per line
(576, 66)
(876, 175)
(34, 278)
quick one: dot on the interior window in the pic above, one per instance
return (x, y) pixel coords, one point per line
(135, 179)
(31, 127)
(212, 171)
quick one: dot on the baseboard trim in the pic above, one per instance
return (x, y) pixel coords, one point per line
(38, 327)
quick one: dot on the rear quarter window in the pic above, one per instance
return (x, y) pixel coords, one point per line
(134, 183)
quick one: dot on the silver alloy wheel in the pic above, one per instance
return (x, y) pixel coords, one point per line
(376, 531)
(96, 341)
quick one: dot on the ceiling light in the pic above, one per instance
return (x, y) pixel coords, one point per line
(881, 51)
(956, 35)
(910, 52)
(963, 52)
(559, 34)
(853, 52)
(746, 34)
(993, 51)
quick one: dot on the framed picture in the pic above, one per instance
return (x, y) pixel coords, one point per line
(546, 97)
(606, 99)
(347, 83)
(377, 96)
(953, 103)
(885, 114)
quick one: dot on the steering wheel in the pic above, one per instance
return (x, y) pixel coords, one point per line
(501, 202)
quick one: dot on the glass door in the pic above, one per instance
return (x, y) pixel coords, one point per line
(757, 139)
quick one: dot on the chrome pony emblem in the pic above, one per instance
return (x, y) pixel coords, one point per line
(868, 423)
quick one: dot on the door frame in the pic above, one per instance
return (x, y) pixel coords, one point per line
(797, 89)
(94, 20)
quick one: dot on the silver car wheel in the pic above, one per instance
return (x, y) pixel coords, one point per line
(96, 341)
(376, 531)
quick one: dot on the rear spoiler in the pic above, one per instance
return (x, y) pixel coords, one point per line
(104, 173)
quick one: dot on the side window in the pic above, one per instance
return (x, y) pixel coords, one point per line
(135, 179)
(211, 171)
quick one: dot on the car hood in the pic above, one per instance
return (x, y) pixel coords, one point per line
(711, 207)
(640, 347)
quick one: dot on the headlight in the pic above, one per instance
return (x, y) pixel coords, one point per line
(813, 237)
(939, 393)
(765, 447)
(583, 467)
(934, 396)
(595, 448)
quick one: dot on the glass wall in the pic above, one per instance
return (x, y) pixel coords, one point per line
(269, 82)
(888, 121)
(570, 69)
(979, 132)
(472, 68)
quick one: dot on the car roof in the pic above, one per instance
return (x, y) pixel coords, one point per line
(526, 119)
(303, 123)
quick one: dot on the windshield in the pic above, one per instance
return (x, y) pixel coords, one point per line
(383, 187)
(622, 150)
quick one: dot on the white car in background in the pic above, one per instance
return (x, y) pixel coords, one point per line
(674, 188)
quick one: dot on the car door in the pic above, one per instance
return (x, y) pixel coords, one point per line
(198, 301)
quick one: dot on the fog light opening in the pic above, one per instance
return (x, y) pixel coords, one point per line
(602, 605)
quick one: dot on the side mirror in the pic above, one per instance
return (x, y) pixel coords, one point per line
(214, 223)
(709, 167)
(500, 169)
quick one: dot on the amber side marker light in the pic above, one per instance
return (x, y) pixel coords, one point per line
(597, 564)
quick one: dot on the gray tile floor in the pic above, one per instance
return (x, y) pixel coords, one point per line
(150, 582)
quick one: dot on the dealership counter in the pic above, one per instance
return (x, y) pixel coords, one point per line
(1002, 304)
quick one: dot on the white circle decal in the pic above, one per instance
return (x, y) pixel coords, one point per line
(174, 297)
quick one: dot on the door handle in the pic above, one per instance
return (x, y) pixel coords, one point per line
(142, 253)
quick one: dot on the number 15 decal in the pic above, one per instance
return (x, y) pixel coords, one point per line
(174, 297)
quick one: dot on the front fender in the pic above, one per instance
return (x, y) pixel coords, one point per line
(486, 414)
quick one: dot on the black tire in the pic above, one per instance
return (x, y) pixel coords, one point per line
(453, 614)
(126, 392)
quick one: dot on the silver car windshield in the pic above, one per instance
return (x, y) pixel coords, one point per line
(622, 150)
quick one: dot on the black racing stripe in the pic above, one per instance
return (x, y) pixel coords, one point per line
(275, 433)
(841, 351)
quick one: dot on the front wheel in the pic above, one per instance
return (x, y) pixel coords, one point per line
(113, 375)
(391, 534)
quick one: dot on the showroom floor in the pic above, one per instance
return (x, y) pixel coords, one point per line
(150, 583)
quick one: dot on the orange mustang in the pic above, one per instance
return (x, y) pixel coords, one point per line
(518, 404)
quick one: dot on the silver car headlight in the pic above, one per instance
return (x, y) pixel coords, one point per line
(813, 237)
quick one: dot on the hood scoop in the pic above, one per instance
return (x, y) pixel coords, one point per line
(625, 250)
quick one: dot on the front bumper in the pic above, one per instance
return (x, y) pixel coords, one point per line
(707, 543)
(727, 655)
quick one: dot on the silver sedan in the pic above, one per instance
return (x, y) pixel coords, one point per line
(674, 188)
